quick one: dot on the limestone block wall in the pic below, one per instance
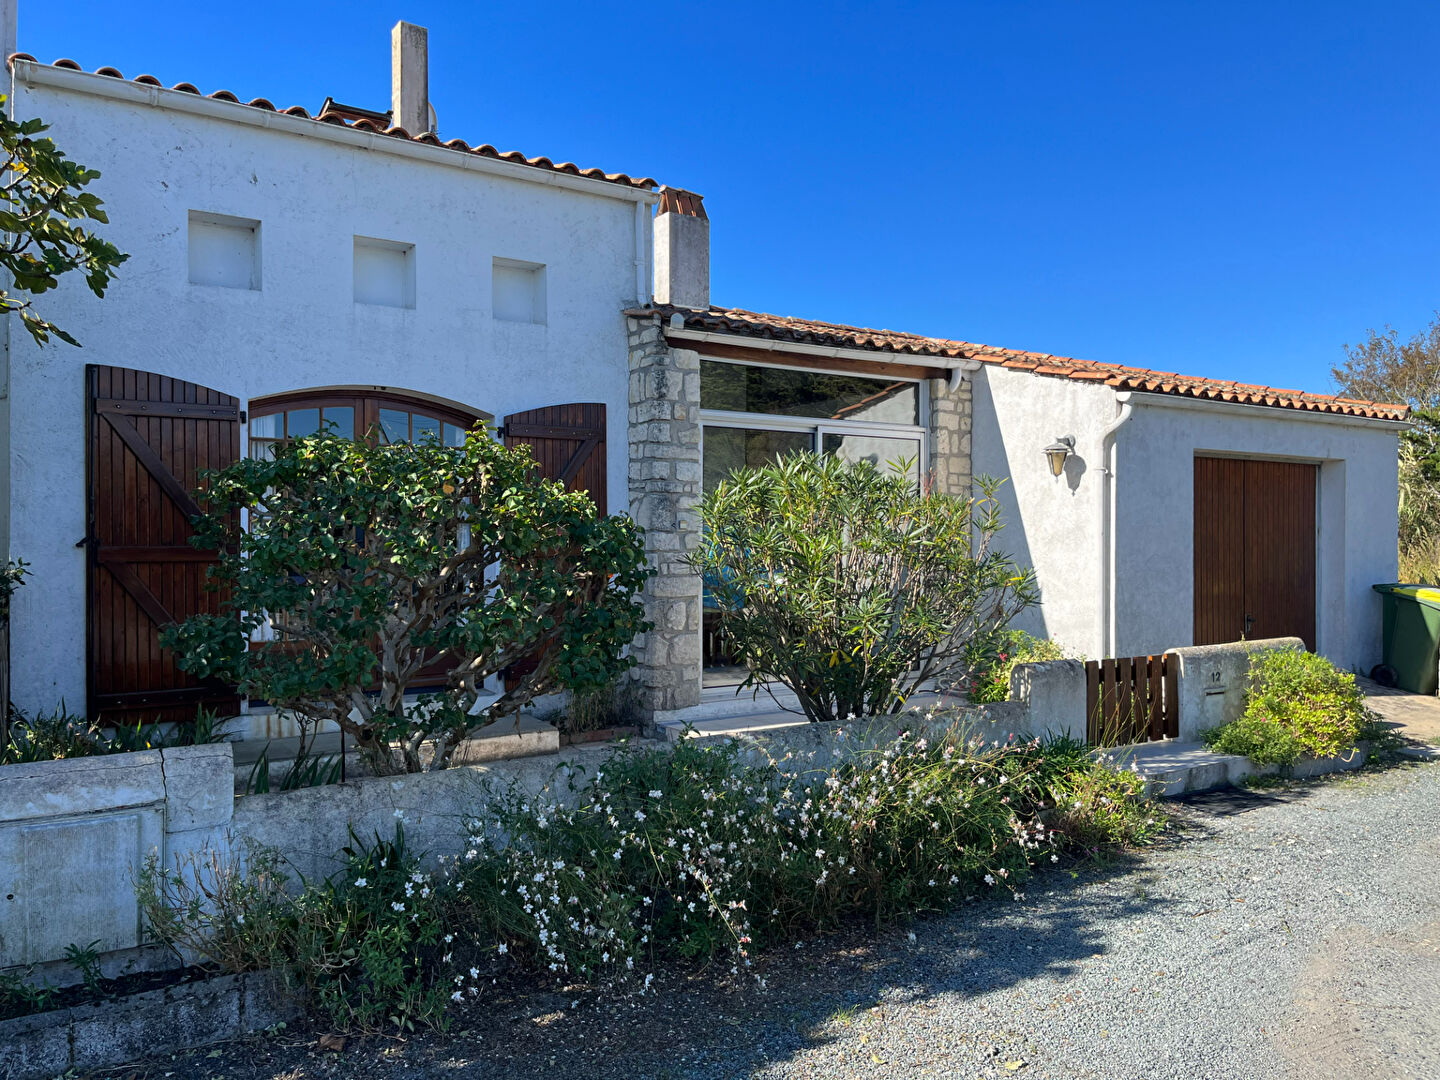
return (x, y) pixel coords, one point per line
(950, 422)
(665, 488)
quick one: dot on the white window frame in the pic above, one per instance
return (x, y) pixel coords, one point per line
(821, 426)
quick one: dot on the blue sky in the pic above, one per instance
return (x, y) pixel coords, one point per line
(1227, 189)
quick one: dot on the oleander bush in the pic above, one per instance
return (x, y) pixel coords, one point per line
(991, 662)
(851, 587)
(1296, 704)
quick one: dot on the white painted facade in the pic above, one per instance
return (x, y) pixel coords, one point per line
(314, 189)
(1057, 525)
(272, 253)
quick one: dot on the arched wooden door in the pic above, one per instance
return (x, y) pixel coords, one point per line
(150, 437)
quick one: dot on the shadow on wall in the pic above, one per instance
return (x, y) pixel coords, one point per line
(989, 457)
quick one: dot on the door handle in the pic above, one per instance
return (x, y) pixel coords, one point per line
(1249, 622)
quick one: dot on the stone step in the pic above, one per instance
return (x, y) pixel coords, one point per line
(1171, 768)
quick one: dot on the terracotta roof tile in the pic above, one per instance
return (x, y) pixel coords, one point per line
(755, 324)
(623, 179)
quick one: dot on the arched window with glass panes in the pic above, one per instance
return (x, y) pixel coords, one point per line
(384, 416)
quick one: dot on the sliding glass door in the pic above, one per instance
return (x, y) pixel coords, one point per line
(752, 416)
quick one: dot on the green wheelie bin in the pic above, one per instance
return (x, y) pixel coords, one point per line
(1411, 621)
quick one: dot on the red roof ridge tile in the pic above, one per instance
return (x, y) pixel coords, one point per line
(808, 331)
(428, 138)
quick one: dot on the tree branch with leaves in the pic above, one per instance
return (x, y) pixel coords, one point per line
(1384, 368)
(44, 216)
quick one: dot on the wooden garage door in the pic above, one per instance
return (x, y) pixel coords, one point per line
(149, 438)
(1254, 550)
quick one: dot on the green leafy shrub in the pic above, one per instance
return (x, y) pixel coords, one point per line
(1096, 804)
(990, 663)
(371, 562)
(849, 587)
(368, 944)
(1296, 703)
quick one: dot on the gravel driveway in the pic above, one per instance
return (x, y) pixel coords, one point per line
(1288, 933)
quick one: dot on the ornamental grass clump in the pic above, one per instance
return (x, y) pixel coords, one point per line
(850, 587)
(1296, 704)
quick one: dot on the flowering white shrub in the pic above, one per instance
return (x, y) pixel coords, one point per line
(703, 851)
(699, 851)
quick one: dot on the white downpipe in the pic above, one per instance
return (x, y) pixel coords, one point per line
(1108, 636)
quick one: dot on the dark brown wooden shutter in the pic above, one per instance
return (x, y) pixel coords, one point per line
(150, 436)
(569, 443)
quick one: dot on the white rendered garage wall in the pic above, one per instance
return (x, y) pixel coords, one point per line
(1051, 523)
(1356, 512)
(302, 328)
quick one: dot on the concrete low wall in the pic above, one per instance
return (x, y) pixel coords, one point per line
(93, 1037)
(1054, 693)
(1210, 685)
(74, 833)
(1212, 681)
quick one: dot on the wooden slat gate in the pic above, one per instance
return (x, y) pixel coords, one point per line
(1131, 699)
(150, 436)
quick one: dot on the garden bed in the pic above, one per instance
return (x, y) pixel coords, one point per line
(186, 1014)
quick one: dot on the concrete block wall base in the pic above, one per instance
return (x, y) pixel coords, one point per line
(91, 1037)
(1172, 768)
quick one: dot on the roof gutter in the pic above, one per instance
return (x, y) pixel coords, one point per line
(1261, 412)
(831, 352)
(31, 73)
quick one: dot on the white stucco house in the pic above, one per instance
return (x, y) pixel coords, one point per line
(289, 269)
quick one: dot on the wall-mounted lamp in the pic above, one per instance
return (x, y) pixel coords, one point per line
(1058, 451)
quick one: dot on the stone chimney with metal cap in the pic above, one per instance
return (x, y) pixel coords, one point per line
(410, 78)
(682, 250)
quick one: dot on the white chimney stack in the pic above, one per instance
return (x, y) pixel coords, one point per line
(410, 78)
(682, 250)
